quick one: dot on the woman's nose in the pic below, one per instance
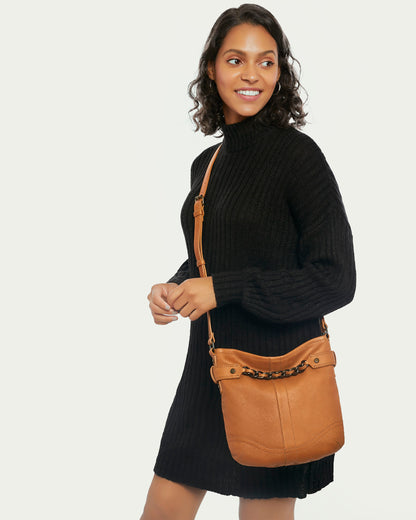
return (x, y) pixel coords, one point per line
(249, 73)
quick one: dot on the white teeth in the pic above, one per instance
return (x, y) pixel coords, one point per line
(249, 92)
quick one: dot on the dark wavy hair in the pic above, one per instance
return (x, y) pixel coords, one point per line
(285, 104)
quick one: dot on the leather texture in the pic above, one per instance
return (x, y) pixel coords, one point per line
(280, 422)
(274, 422)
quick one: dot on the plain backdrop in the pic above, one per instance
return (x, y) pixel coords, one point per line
(96, 148)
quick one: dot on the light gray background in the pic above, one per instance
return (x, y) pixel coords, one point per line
(96, 148)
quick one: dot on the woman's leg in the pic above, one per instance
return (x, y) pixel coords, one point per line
(267, 509)
(167, 500)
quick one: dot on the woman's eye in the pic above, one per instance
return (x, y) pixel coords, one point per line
(267, 62)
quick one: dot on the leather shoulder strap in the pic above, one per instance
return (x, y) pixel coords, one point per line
(199, 218)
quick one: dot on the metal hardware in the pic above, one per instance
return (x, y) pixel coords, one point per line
(232, 370)
(324, 328)
(316, 360)
(200, 197)
(276, 374)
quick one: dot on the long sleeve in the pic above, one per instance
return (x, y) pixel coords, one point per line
(181, 274)
(325, 277)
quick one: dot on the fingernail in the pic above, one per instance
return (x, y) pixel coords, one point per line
(167, 307)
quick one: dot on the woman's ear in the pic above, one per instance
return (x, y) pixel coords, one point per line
(211, 71)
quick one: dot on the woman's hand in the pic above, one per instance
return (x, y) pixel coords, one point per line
(193, 297)
(161, 311)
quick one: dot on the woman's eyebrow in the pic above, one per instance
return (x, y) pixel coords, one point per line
(244, 53)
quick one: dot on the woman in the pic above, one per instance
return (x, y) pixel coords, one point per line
(279, 255)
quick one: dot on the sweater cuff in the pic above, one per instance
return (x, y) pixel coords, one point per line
(228, 286)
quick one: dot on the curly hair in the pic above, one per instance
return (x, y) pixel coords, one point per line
(285, 103)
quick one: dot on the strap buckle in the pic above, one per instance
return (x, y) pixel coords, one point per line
(200, 197)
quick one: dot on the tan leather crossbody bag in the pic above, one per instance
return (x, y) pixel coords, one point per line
(279, 410)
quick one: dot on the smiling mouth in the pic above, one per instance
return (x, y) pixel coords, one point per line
(248, 92)
(248, 95)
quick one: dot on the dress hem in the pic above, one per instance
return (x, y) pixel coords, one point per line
(188, 482)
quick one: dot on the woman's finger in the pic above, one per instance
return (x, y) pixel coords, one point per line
(158, 297)
(186, 310)
(161, 319)
(176, 296)
(196, 314)
(156, 309)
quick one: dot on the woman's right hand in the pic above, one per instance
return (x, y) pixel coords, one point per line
(161, 311)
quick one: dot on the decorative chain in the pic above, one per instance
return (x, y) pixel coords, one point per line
(276, 374)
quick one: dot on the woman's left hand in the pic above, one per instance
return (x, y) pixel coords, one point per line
(193, 297)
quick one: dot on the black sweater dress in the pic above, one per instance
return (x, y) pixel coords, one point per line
(279, 248)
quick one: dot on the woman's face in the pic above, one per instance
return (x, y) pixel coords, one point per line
(246, 71)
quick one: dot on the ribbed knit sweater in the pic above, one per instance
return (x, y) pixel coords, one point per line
(279, 248)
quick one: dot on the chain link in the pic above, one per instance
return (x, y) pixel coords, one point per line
(276, 374)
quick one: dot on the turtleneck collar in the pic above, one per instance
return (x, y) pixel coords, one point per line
(239, 136)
